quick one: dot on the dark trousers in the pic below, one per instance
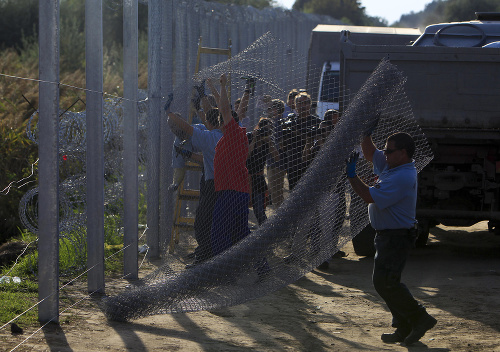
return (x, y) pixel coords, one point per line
(259, 206)
(392, 251)
(203, 220)
(259, 187)
(230, 220)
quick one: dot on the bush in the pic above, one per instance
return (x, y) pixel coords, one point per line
(18, 18)
(17, 154)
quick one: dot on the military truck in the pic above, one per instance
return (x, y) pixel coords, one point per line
(324, 57)
(453, 75)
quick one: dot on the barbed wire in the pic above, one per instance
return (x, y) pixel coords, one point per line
(6, 190)
(59, 84)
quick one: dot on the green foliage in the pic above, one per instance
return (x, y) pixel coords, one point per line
(18, 19)
(438, 11)
(16, 299)
(463, 10)
(17, 154)
(442, 11)
(73, 251)
(348, 11)
(72, 45)
(73, 18)
(112, 234)
(258, 4)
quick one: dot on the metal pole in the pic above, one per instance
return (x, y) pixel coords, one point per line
(154, 97)
(48, 196)
(95, 145)
(130, 136)
(167, 137)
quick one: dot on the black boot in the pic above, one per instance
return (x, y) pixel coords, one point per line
(397, 336)
(424, 323)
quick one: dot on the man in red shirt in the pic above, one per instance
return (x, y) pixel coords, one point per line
(230, 218)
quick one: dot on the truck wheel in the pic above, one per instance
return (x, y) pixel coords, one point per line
(423, 233)
(363, 242)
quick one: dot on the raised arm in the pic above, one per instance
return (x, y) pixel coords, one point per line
(368, 148)
(242, 108)
(214, 91)
(361, 188)
(224, 106)
(205, 103)
(179, 126)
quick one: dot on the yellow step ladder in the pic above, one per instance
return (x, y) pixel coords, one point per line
(184, 195)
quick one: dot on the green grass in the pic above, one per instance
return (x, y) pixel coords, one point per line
(16, 299)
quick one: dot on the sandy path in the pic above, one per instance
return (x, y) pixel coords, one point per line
(457, 277)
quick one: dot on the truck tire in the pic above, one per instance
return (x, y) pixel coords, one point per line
(363, 242)
(423, 233)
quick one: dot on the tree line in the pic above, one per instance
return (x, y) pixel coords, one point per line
(442, 11)
(438, 11)
(19, 18)
(19, 22)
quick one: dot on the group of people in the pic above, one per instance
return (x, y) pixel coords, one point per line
(287, 141)
(224, 189)
(283, 143)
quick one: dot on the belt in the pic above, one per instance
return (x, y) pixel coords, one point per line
(395, 231)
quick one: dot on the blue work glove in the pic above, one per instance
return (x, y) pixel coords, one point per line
(351, 165)
(169, 101)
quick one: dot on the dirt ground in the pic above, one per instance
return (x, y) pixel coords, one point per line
(457, 277)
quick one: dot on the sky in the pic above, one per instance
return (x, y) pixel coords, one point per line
(391, 10)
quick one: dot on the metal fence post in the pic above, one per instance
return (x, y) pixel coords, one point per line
(154, 115)
(95, 145)
(130, 138)
(167, 137)
(48, 196)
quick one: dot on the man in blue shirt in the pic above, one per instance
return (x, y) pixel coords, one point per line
(392, 207)
(204, 140)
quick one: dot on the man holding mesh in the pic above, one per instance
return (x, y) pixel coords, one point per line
(392, 208)
(204, 140)
(230, 217)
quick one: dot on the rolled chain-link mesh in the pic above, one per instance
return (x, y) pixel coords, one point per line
(317, 217)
